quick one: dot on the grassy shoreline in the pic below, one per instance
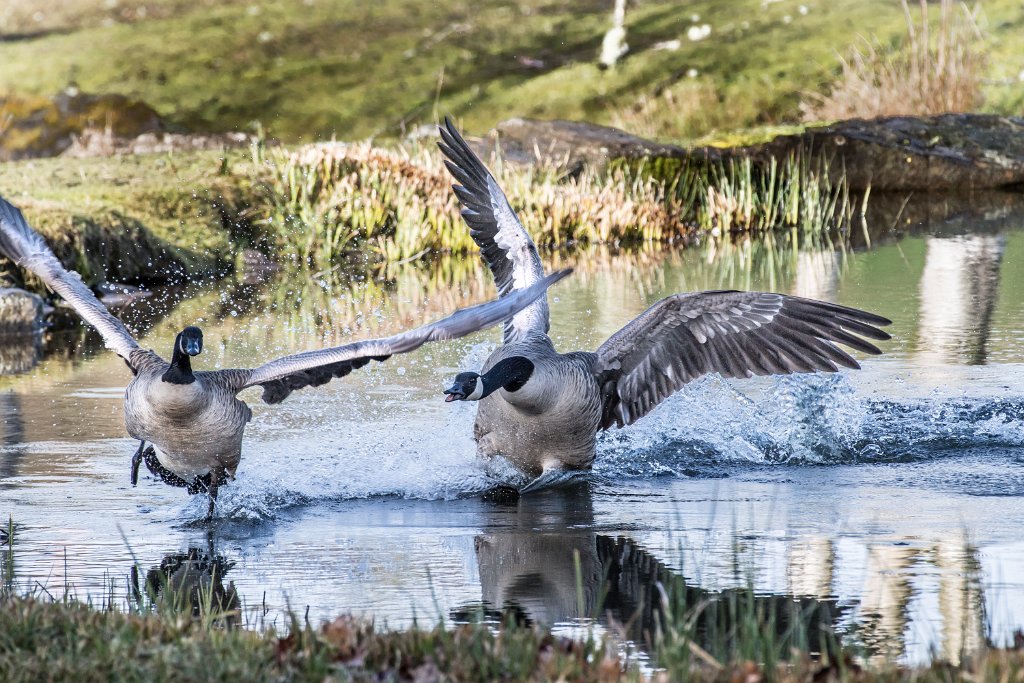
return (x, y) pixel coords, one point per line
(163, 217)
(46, 639)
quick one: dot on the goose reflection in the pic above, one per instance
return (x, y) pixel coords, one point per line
(529, 562)
(192, 582)
(544, 562)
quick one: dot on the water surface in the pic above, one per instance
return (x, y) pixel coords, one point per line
(889, 500)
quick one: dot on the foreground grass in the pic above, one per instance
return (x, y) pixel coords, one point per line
(352, 69)
(45, 640)
(65, 640)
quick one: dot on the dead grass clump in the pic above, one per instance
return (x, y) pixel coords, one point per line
(930, 71)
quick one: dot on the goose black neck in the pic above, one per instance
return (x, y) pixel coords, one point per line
(509, 374)
(180, 371)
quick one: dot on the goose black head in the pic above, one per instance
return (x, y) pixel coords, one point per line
(189, 341)
(467, 387)
(509, 374)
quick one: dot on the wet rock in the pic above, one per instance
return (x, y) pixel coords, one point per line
(946, 152)
(21, 320)
(21, 312)
(570, 144)
(42, 127)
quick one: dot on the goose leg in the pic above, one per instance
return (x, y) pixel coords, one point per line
(136, 461)
(215, 478)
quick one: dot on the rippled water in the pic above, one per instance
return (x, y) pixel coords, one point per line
(892, 496)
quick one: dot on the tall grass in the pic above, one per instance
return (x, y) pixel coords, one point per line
(321, 205)
(929, 71)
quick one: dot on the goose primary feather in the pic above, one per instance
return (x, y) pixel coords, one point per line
(194, 420)
(542, 409)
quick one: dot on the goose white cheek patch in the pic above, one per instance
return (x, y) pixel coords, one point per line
(478, 392)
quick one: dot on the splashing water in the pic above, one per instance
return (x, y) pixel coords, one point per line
(707, 430)
(816, 419)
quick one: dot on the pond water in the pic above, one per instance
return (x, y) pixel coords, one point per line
(889, 499)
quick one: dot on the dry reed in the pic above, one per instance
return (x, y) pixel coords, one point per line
(930, 71)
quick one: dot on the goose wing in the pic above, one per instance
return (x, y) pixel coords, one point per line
(504, 243)
(25, 247)
(736, 334)
(312, 368)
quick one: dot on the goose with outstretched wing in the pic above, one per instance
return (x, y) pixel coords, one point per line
(193, 419)
(542, 409)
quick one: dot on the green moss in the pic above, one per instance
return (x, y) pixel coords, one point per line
(133, 219)
(352, 69)
(40, 126)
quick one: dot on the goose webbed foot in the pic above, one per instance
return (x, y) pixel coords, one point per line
(136, 461)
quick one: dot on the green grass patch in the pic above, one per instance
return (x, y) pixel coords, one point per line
(351, 69)
(134, 219)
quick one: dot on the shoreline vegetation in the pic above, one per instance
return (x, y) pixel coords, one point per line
(184, 627)
(162, 217)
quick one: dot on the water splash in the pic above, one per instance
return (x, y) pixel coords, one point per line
(423, 449)
(816, 420)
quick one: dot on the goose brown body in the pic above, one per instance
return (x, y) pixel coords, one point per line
(550, 422)
(195, 428)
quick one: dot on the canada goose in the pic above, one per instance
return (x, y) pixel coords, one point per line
(542, 409)
(193, 419)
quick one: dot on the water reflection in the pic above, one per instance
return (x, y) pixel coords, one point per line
(12, 435)
(885, 608)
(959, 287)
(19, 353)
(190, 582)
(543, 562)
(528, 558)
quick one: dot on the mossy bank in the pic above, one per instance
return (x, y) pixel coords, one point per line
(135, 219)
